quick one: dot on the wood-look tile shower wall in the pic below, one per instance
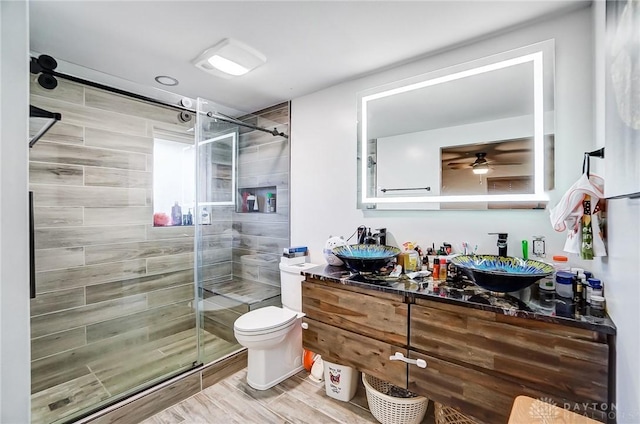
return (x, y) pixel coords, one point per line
(263, 162)
(106, 278)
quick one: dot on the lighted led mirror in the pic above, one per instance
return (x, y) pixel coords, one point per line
(217, 163)
(479, 135)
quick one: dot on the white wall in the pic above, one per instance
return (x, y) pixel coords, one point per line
(621, 269)
(15, 375)
(323, 164)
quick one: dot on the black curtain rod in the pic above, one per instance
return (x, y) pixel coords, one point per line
(93, 84)
(116, 90)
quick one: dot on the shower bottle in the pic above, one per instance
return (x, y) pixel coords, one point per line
(176, 214)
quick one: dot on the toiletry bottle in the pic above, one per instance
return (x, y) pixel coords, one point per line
(443, 270)
(578, 300)
(176, 214)
(245, 204)
(436, 269)
(271, 202)
(597, 308)
(402, 261)
(252, 203)
(205, 217)
(413, 258)
(594, 289)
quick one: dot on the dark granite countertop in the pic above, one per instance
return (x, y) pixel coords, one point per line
(529, 303)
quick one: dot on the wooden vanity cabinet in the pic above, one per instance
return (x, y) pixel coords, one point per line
(480, 361)
(352, 327)
(477, 361)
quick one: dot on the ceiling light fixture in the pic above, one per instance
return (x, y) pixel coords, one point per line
(481, 169)
(480, 166)
(229, 58)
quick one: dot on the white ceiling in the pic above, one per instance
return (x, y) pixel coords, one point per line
(309, 45)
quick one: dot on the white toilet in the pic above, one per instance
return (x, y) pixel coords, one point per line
(272, 335)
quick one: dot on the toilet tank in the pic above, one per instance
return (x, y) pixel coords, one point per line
(291, 284)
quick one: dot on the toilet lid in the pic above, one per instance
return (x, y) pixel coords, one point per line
(266, 318)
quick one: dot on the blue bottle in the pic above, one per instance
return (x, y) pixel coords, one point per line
(176, 214)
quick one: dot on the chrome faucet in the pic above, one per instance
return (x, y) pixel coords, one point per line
(502, 243)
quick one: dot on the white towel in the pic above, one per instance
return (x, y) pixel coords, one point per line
(566, 215)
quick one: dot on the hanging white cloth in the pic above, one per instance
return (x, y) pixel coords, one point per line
(567, 214)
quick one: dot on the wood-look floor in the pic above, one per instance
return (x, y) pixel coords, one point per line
(296, 400)
(116, 371)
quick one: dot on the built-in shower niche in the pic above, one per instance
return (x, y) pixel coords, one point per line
(257, 200)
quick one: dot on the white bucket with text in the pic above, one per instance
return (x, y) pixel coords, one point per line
(340, 381)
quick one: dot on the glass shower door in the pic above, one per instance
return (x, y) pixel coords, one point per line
(242, 196)
(216, 176)
(114, 310)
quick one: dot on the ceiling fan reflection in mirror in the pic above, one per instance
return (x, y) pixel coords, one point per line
(483, 157)
(480, 165)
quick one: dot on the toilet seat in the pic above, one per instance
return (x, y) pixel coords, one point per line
(265, 320)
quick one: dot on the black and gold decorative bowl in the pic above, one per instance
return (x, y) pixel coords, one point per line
(502, 273)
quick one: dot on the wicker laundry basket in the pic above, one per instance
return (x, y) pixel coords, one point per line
(389, 409)
(447, 415)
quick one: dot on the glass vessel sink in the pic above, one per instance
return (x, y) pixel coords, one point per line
(368, 258)
(502, 273)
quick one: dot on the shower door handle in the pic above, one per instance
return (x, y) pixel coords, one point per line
(32, 250)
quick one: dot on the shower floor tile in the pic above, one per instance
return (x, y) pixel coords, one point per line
(116, 371)
(67, 398)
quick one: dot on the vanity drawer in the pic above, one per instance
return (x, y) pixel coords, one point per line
(384, 319)
(483, 397)
(354, 350)
(551, 358)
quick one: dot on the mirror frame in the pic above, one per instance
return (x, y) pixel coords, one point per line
(541, 55)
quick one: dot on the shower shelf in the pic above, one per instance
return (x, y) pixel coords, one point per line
(261, 197)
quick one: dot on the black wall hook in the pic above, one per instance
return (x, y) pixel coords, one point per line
(586, 161)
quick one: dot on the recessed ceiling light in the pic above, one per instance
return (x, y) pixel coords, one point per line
(229, 58)
(166, 80)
